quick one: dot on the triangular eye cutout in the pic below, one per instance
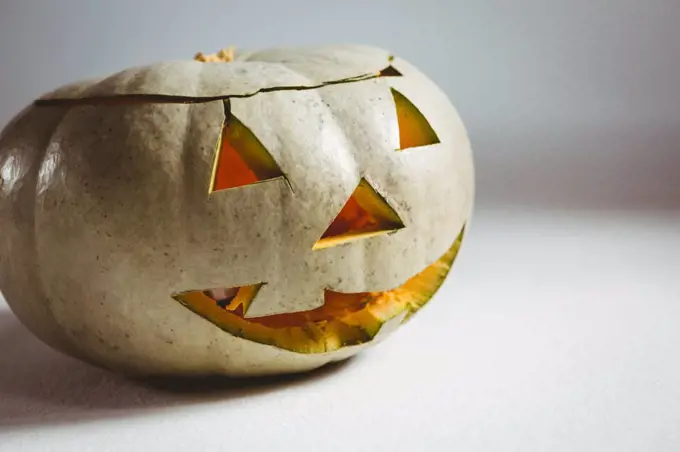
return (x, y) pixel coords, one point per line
(241, 159)
(414, 129)
(365, 214)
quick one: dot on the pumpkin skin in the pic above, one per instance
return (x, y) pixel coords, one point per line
(115, 228)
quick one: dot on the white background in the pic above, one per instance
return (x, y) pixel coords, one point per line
(558, 329)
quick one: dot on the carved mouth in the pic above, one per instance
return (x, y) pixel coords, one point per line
(345, 319)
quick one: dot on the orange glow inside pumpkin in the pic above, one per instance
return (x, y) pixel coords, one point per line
(352, 217)
(232, 171)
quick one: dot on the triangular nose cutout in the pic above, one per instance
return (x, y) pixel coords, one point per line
(366, 214)
(241, 159)
(414, 129)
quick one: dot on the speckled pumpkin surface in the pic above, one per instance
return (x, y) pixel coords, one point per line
(258, 213)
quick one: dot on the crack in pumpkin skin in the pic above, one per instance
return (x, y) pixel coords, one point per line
(170, 99)
(226, 56)
(344, 320)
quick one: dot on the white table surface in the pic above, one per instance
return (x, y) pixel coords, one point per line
(557, 331)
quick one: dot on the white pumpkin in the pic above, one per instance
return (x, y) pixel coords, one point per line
(265, 215)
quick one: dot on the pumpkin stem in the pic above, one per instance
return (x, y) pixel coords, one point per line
(223, 56)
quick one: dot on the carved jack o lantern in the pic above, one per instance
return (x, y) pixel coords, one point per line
(264, 215)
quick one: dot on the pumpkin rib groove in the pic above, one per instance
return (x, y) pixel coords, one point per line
(35, 169)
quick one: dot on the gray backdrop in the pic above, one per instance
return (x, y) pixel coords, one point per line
(569, 103)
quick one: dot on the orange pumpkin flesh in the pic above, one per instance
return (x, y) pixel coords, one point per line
(232, 171)
(351, 218)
